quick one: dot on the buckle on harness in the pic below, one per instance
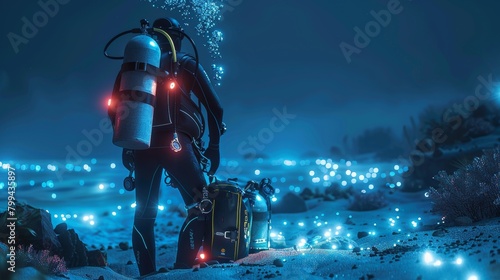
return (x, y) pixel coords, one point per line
(230, 235)
(142, 66)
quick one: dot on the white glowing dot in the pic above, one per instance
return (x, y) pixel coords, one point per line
(133, 205)
(328, 165)
(161, 207)
(344, 183)
(334, 247)
(396, 167)
(397, 209)
(311, 173)
(55, 216)
(273, 234)
(91, 223)
(327, 234)
(414, 224)
(323, 162)
(316, 180)
(54, 196)
(75, 216)
(350, 246)
(438, 263)
(301, 224)
(371, 187)
(113, 213)
(285, 223)
(257, 172)
(119, 207)
(86, 218)
(348, 172)
(326, 177)
(473, 277)
(361, 177)
(332, 173)
(375, 170)
(274, 199)
(101, 186)
(335, 166)
(354, 174)
(353, 181)
(459, 261)
(348, 163)
(112, 165)
(428, 258)
(91, 217)
(398, 184)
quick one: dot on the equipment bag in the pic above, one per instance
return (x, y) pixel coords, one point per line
(230, 222)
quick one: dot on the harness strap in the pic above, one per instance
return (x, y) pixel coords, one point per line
(138, 96)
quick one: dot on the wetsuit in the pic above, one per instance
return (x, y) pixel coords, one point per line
(183, 167)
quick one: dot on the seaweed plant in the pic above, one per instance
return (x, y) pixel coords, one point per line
(42, 260)
(472, 191)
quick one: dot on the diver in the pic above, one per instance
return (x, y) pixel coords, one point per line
(176, 149)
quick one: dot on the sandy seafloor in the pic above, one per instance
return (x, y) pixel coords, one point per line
(405, 240)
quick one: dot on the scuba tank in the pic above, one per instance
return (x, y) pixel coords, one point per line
(134, 120)
(260, 196)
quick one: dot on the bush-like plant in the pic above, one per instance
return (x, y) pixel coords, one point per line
(472, 191)
(367, 201)
(42, 260)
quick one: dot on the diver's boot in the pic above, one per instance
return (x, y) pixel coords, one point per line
(190, 240)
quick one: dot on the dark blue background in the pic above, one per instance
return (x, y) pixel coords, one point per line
(275, 53)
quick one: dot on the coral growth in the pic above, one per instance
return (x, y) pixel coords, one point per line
(472, 191)
(445, 135)
(42, 260)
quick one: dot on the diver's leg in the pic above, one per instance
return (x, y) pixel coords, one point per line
(147, 174)
(188, 178)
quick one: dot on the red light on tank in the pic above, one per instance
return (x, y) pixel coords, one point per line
(109, 102)
(172, 85)
(202, 256)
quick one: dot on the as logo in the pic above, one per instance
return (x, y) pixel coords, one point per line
(223, 252)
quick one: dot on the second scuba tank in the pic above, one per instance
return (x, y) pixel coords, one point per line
(135, 107)
(260, 195)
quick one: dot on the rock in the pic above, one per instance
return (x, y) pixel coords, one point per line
(73, 249)
(307, 193)
(278, 263)
(463, 221)
(439, 233)
(124, 246)
(96, 258)
(60, 228)
(290, 203)
(129, 262)
(362, 234)
(34, 227)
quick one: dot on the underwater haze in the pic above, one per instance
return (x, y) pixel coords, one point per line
(377, 122)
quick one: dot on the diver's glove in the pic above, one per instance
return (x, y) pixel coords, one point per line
(212, 153)
(128, 159)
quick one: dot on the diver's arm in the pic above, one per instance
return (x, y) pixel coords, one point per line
(205, 92)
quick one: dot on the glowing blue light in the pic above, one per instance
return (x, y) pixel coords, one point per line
(50, 184)
(348, 172)
(328, 165)
(332, 173)
(383, 175)
(111, 185)
(353, 174)
(274, 199)
(257, 172)
(81, 182)
(161, 207)
(101, 186)
(311, 173)
(54, 196)
(396, 167)
(326, 177)
(133, 205)
(38, 168)
(288, 162)
(44, 184)
(375, 170)
(78, 168)
(335, 166)
(32, 182)
(371, 186)
(316, 180)
(121, 191)
(283, 179)
(323, 162)
(112, 165)
(473, 277)
(459, 261)
(392, 173)
(297, 189)
(301, 224)
(348, 163)
(361, 177)
(113, 213)
(301, 178)
(344, 183)
(93, 161)
(428, 258)
(353, 181)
